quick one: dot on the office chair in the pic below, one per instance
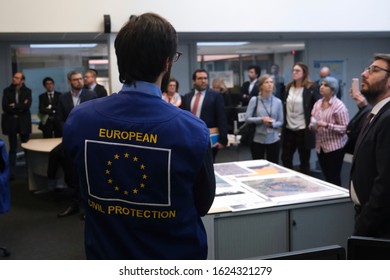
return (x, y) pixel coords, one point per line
(4, 252)
(4, 188)
(368, 248)
(332, 252)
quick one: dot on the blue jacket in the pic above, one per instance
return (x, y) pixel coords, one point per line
(146, 173)
(4, 179)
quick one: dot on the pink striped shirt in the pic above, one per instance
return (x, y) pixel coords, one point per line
(334, 136)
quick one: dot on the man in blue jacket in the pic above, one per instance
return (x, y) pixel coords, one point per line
(145, 165)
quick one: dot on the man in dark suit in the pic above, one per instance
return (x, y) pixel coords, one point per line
(208, 105)
(91, 84)
(47, 107)
(250, 88)
(16, 103)
(67, 102)
(279, 88)
(370, 172)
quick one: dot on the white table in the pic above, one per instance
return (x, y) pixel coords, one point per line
(37, 157)
(265, 209)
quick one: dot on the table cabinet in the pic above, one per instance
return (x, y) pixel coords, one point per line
(255, 233)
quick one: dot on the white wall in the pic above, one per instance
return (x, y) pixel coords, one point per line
(198, 16)
(356, 55)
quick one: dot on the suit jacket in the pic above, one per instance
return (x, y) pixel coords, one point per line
(65, 104)
(44, 102)
(245, 90)
(19, 115)
(99, 90)
(354, 127)
(370, 174)
(212, 112)
(310, 96)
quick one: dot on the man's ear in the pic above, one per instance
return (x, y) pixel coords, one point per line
(168, 64)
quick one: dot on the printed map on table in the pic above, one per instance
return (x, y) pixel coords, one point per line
(290, 187)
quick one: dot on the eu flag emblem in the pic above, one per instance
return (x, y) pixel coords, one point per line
(128, 173)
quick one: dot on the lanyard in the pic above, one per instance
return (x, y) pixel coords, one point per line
(270, 108)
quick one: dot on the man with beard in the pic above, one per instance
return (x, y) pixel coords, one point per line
(145, 165)
(66, 103)
(370, 173)
(17, 117)
(208, 105)
(250, 88)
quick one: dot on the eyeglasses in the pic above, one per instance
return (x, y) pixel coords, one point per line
(177, 56)
(373, 68)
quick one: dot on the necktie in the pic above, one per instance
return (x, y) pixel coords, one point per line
(50, 97)
(16, 96)
(364, 128)
(196, 103)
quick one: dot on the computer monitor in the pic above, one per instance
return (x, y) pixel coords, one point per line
(368, 248)
(332, 252)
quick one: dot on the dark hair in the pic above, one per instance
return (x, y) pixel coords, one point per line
(199, 71)
(47, 79)
(305, 79)
(256, 68)
(171, 79)
(143, 46)
(71, 74)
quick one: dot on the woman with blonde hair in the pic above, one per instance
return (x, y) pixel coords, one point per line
(218, 84)
(268, 119)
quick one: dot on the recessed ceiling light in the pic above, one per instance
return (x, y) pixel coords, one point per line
(63, 46)
(220, 44)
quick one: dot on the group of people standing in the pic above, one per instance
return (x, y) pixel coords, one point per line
(306, 115)
(54, 108)
(17, 100)
(298, 116)
(314, 117)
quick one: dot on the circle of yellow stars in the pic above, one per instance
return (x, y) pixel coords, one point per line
(125, 189)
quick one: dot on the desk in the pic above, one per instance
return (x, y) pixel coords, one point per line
(37, 157)
(262, 208)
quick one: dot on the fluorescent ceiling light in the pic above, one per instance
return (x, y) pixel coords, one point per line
(63, 46)
(98, 61)
(296, 45)
(220, 44)
(217, 57)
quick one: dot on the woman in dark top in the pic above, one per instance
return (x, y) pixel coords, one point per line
(301, 94)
